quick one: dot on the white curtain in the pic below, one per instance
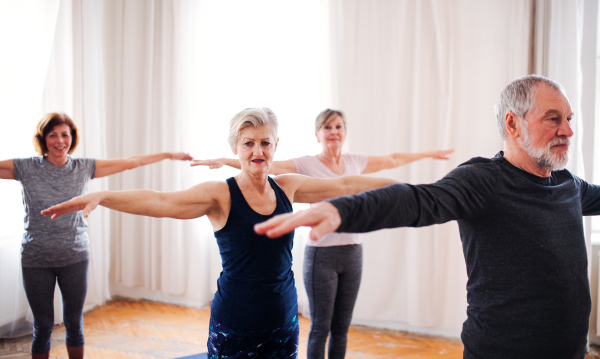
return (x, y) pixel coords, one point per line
(413, 76)
(89, 110)
(148, 70)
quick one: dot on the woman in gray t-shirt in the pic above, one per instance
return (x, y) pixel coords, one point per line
(333, 265)
(58, 251)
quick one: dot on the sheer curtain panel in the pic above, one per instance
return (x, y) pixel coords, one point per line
(147, 72)
(89, 106)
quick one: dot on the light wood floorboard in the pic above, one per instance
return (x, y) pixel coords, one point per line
(125, 329)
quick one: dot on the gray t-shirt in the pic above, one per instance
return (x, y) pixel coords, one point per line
(62, 241)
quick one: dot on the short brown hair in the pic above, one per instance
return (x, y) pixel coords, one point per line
(327, 116)
(46, 125)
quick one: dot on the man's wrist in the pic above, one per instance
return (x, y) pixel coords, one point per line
(336, 203)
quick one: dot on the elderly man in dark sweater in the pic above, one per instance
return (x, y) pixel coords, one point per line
(520, 219)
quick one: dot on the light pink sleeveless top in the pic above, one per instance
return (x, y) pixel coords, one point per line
(311, 166)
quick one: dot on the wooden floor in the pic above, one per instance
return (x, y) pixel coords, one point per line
(140, 330)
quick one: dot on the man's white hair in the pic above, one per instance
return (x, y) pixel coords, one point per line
(255, 116)
(519, 97)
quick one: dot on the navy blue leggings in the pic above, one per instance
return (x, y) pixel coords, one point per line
(39, 286)
(279, 343)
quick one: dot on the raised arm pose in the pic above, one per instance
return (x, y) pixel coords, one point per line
(255, 308)
(59, 250)
(520, 219)
(331, 306)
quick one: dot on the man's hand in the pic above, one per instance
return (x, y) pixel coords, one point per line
(323, 218)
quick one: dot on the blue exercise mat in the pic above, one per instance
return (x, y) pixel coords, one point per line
(196, 356)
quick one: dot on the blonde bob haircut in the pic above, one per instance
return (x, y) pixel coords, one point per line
(45, 126)
(255, 116)
(324, 117)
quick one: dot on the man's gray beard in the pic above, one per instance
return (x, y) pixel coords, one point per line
(543, 156)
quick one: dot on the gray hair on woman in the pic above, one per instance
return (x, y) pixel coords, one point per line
(519, 96)
(255, 116)
(326, 116)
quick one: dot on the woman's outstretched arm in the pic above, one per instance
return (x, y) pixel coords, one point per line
(110, 167)
(7, 169)
(277, 167)
(304, 189)
(190, 203)
(378, 163)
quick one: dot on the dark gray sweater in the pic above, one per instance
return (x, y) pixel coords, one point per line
(522, 236)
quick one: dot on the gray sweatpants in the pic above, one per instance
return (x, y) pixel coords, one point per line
(332, 278)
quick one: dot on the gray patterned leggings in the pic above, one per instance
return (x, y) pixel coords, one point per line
(332, 278)
(39, 286)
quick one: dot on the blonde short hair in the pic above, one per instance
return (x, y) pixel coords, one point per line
(324, 117)
(255, 116)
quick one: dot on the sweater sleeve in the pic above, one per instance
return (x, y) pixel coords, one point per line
(462, 194)
(590, 197)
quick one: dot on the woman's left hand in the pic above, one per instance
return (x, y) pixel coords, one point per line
(87, 203)
(441, 154)
(181, 156)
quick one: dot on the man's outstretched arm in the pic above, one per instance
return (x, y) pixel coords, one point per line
(463, 193)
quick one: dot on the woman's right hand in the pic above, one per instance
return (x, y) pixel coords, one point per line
(213, 164)
(87, 203)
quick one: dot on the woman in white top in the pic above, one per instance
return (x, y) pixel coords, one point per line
(333, 265)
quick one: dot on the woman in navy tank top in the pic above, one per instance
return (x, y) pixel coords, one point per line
(254, 311)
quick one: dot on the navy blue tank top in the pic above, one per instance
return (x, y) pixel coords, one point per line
(256, 289)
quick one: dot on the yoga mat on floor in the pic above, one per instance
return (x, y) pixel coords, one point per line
(195, 356)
